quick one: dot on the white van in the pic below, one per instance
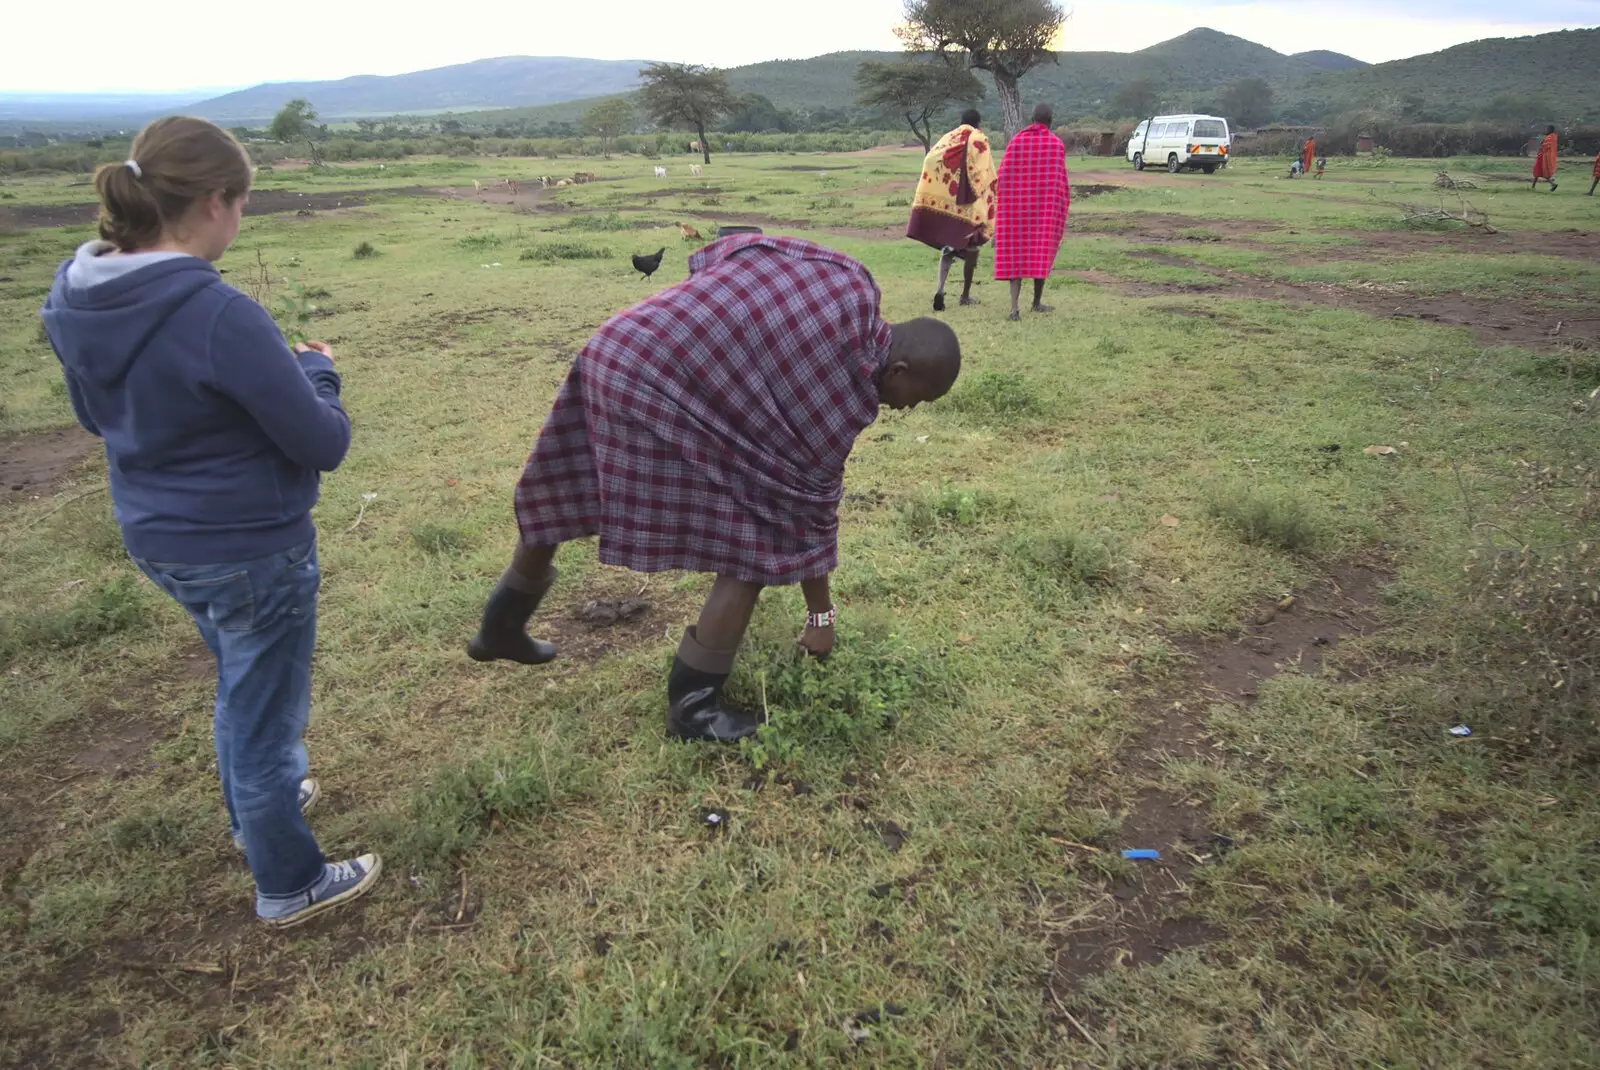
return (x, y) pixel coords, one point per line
(1179, 141)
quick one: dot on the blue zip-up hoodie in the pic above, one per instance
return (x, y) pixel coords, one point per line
(215, 431)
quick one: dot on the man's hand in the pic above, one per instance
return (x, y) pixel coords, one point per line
(818, 642)
(317, 347)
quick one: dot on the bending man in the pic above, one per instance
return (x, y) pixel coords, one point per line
(1034, 197)
(707, 429)
(954, 207)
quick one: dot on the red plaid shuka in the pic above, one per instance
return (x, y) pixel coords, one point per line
(707, 428)
(1034, 197)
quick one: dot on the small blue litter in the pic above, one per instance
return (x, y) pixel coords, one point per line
(1142, 854)
(1461, 731)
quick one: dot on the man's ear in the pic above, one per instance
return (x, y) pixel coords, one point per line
(896, 368)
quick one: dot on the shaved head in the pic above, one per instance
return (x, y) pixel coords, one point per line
(924, 360)
(1043, 115)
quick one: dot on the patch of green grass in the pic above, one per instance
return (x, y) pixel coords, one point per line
(98, 612)
(996, 395)
(364, 251)
(440, 539)
(947, 507)
(1067, 558)
(613, 221)
(552, 252)
(1269, 518)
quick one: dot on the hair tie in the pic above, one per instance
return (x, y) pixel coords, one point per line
(133, 166)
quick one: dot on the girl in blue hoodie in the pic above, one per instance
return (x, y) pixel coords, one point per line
(215, 435)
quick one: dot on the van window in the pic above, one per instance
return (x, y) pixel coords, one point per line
(1139, 132)
(1161, 130)
(1210, 128)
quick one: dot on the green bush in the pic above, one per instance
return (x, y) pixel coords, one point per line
(97, 613)
(996, 395)
(949, 506)
(830, 710)
(365, 251)
(611, 221)
(550, 252)
(1068, 558)
(1268, 518)
(440, 539)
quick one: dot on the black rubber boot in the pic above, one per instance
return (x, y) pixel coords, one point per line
(502, 635)
(695, 710)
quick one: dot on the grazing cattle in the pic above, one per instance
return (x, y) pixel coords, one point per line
(661, 172)
(583, 176)
(563, 182)
(544, 182)
(514, 186)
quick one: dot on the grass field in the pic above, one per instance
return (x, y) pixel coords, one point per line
(1137, 583)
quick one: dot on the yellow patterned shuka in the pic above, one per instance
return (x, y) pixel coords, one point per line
(955, 203)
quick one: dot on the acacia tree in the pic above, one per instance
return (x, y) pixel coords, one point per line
(916, 90)
(295, 120)
(683, 94)
(1248, 102)
(606, 120)
(1007, 38)
(1138, 99)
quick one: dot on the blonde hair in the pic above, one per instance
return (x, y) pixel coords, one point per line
(173, 163)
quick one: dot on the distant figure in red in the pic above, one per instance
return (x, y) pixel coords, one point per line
(1308, 155)
(1596, 174)
(1544, 165)
(1034, 197)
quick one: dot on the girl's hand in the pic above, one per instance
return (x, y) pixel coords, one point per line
(318, 347)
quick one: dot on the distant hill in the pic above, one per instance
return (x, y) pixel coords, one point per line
(508, 81)
(1556, 70)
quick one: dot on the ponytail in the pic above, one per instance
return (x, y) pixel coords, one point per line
(174, 162)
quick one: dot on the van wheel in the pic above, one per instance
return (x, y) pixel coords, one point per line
(1209, 168)
(1138, 161)
(1172, 164)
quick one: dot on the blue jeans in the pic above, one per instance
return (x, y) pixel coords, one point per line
(259, 619)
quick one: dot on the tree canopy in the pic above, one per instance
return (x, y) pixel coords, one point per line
(918, 91)
(683, 94)
(1248, 102)
(295, 120)
(1007, 38)
(1138, 99)
(608, 119)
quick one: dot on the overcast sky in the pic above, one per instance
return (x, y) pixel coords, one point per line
(99, 45)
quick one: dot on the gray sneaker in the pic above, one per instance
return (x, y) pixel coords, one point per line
(310, 792)
(341, 882)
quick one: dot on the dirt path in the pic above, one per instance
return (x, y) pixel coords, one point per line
(31, 463)
(262, 202)
(1497, 321)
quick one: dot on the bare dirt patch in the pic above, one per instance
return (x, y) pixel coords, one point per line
(1497, 321)
(262, 202)
(1145, 918)
(32, 463)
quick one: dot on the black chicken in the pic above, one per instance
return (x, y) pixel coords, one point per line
(648, 264)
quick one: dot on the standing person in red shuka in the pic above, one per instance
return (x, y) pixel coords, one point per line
(1034, 198)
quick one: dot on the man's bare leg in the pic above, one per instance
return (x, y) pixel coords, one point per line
(1016, 296)
(971, 267)
(501, 634)
(1038, 297)
(705, 658)
(946, 255)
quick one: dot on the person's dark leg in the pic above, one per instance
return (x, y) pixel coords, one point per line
(1592, 186)
(705, 658)
(1016, 296)
(501, 635)
(1038, 297)
(970, 268)
(946, 255)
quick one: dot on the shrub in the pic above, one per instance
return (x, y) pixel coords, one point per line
(833, 709)
(365, 251)
(438, 539)
(996, 395)
(613, 221)
(1071, 559)
(1264, 518)
(947, 507)
(550, 252)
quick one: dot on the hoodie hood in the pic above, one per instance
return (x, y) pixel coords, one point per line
(104, 309)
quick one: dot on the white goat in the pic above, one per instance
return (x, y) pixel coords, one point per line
(694, 169)
(661, 172)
